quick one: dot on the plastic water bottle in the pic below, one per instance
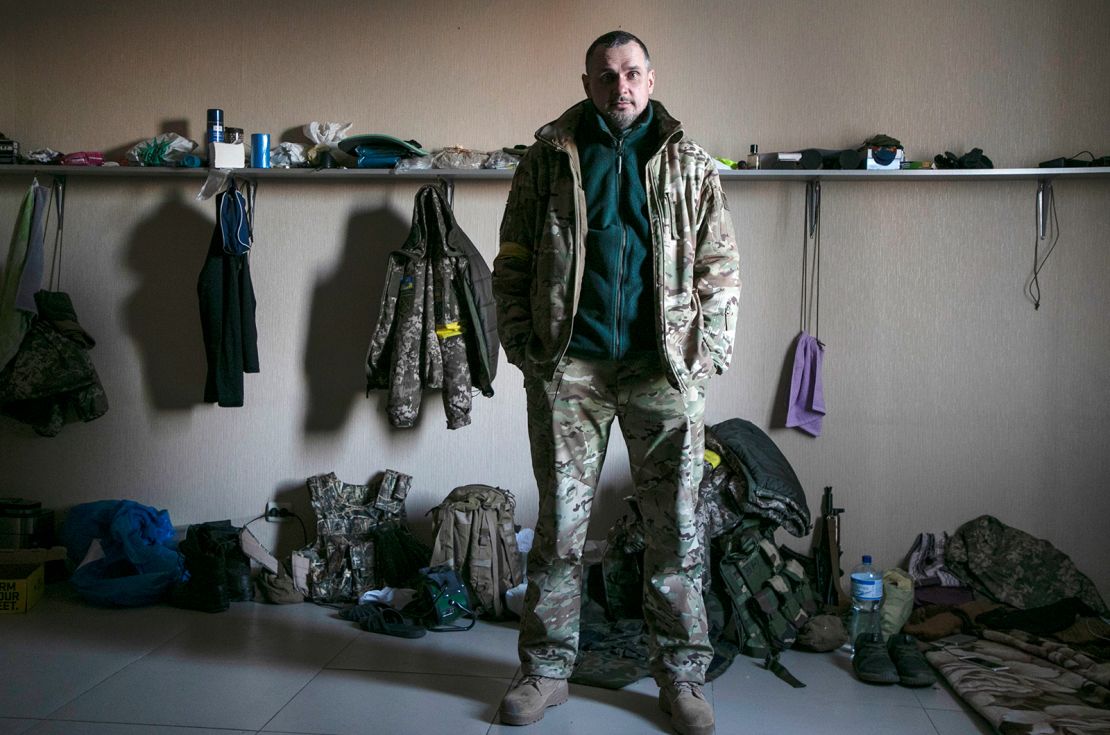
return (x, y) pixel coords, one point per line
(867, 601)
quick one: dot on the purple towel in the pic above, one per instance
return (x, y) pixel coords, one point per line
(807, 397)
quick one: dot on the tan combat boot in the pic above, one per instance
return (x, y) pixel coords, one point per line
(691, 713)
(525, 703)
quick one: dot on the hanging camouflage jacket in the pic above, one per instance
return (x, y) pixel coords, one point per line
(52, 377)
(539, 268)
(437, 324)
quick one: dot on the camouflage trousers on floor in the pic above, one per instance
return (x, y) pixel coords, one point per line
(569, 419)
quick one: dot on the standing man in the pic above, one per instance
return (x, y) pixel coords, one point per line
(616, 287)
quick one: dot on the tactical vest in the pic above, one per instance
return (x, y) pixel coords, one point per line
(771, 596)
(348, 518)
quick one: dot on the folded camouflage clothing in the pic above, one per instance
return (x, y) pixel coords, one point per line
(1009, 565)
(1038, 686)
(773, 490)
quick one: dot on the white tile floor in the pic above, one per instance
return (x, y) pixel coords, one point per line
(72, 669)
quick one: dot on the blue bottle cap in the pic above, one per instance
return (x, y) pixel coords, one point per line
(866, 558)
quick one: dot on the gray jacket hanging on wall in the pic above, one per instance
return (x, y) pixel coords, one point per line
(437, 324)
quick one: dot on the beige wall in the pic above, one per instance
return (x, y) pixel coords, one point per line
(949, 396)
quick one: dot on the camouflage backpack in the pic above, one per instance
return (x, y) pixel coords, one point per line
(771, 595)
(474, 534)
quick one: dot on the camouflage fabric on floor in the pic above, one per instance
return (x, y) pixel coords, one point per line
(614, 654)
(1046, 687)
(1011, 566)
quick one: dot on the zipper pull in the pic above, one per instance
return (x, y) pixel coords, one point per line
(620, 154)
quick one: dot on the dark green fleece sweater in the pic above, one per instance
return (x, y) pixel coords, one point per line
(615, 309)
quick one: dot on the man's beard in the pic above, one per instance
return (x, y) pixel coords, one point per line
(622, 120)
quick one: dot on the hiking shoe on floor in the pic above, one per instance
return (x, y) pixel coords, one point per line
(691, 713)
(526, 702)
(913, 669)
(871, 661)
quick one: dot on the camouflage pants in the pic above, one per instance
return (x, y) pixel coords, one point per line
(569, 419)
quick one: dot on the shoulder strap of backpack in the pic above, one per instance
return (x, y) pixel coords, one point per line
(443, 544)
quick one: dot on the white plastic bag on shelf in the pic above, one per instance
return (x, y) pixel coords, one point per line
(326, 137)
(501, 160)
(166, 149)
(414, 163)
(45, 155)
(458, 157)
(288, 155)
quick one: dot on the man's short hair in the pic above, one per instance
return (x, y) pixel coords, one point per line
(612, 39)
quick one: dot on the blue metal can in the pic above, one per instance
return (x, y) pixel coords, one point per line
(260, 150)
(215, 125)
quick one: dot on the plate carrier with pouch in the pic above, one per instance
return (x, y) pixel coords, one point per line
(771, 595)
(342, 561)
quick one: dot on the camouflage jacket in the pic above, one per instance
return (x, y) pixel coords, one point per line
(437, 323)
(538, 271)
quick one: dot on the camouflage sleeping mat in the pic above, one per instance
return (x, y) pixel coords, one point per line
(1046, 688)
(614, 653)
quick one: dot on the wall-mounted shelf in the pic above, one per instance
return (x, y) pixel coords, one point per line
(989, 174)
(1042, 176)
(254, 173)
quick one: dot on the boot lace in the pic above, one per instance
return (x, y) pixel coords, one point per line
(688, 687)
(532, 680)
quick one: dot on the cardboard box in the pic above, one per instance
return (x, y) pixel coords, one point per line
(20, 587)
(54, 561)
(22, 557)
(301, 565)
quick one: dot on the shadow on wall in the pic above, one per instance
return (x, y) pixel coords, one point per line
(345, 308)
(166, 252)
(782, 395)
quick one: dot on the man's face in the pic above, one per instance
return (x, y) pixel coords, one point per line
(618, 81)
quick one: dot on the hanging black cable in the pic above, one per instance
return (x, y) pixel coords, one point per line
(811, 262)
(1033, 286)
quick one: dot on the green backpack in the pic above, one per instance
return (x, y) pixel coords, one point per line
(771, 595)
(475, 535)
